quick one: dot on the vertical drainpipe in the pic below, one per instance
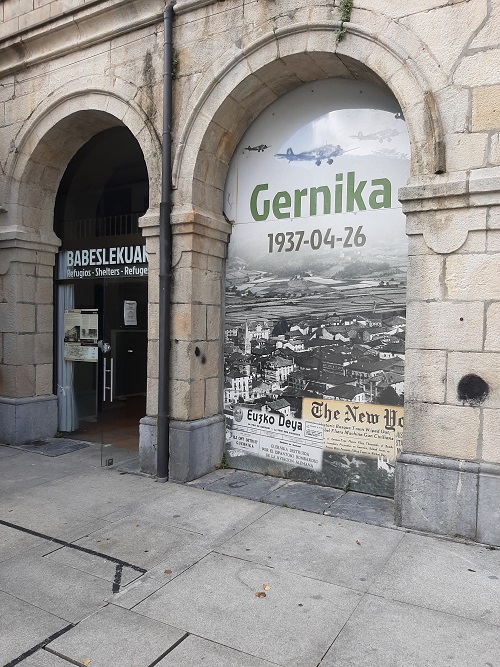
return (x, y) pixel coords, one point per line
(162, 451)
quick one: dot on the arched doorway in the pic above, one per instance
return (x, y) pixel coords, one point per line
(316, 288)
(101, 292)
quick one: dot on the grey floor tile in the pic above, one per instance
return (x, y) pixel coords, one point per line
(334, 550)
(181, 560)
(216, 599)
(57, 589)
(367, 509)
(382, 633)
(303, 496)
(139, 541)
(6, 451)
(197, 651)
(215, 476)
(92, 564)
(13, 542)
(23, 626)
(27, 471)
(53, 507)
(247, 485)
(61, 526)
(116, 637)
(213, 515)
(43, 658)
(140, 589)
(444, 575)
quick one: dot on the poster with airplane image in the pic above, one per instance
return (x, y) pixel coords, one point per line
(316, 277)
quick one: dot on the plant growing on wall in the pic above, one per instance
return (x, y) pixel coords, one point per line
(345, 8)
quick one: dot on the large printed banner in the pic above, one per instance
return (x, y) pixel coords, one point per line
(316, 288)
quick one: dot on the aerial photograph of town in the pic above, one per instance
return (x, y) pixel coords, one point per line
(334, 332)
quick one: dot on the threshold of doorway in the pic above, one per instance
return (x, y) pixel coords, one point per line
(326, 500)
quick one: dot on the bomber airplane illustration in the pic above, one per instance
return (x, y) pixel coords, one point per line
(260, 148)
(316, 155)
(381, 135)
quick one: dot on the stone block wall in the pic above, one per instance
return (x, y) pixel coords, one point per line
(441, 60)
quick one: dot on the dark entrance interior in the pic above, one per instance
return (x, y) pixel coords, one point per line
(103, 193)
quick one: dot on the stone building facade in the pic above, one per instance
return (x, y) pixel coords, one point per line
(72, 70)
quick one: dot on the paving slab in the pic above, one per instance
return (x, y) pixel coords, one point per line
(130, 595)
(382, 633)
(455, 578)
(302, 496)
(13, 542)
(93, 564)
(213, 515)
(249, 485)
(27, 471)
(57, 589)
(43, 658)
(197, 651)
(139, 541)
(47, 542)
(6, 451)
(59, 506)
(376, 510)
(23, 626)
(326, 548)
(53, 446)
(205, 481)
(292, 625)
(181, 560)
(115, 636)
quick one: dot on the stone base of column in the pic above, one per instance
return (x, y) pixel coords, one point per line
(448, 497)
(25, 419)
(196, 447)
(147, 445)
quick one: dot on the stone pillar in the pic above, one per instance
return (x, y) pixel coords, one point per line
(196, 371)
(150, 226)
(28, 406)
(448, 476)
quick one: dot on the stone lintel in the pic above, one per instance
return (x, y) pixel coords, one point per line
(199, 217)
(60, 35)
(453, 190)
(188, 220)
(25, 239)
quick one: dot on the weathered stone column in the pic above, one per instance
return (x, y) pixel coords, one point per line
(197, 423)
(448, 477)
(28, 406)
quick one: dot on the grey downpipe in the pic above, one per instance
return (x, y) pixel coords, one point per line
(165, 269)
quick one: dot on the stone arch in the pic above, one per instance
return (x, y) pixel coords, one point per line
(243, 86)
(49, 142)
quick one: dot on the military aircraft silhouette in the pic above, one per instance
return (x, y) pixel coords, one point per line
(381, 135)
(316, 155)
(260, 148)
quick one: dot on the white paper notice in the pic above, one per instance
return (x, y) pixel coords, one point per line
(130, 313)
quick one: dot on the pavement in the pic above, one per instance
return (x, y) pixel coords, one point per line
(102, 567)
